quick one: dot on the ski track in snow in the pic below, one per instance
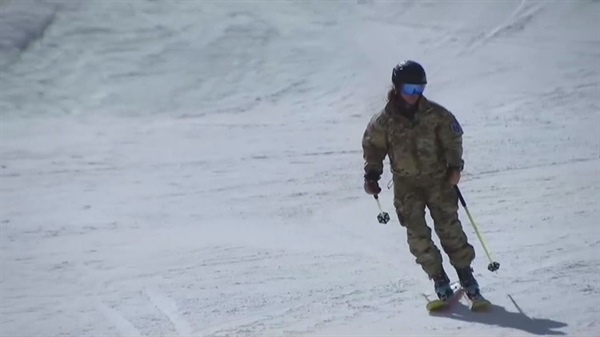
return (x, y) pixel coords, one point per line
(177, 169)
(124, 327)
(169, 308)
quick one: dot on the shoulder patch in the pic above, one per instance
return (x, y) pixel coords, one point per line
(456, 128)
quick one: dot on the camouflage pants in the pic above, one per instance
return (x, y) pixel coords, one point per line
(410, 199)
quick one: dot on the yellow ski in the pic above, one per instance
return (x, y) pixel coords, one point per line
(479, 305)
(437, 305)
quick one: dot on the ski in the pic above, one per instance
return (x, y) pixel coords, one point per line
(438, 305)
(479, 304)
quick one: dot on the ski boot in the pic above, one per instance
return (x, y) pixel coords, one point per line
(443, 290)
(442, 287)
(471, 289)
(468, 282)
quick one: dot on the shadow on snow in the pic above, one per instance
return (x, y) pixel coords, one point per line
(501, 317)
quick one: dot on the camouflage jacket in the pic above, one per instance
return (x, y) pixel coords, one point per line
(426, 146)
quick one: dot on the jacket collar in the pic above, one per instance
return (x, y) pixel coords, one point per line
(423, 106)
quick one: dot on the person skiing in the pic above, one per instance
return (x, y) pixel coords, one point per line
(423, 141)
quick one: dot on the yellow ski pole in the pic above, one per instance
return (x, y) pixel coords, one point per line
(493, 266)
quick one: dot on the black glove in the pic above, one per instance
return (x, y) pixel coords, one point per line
(371, 183)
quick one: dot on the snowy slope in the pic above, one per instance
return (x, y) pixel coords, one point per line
(177, 168)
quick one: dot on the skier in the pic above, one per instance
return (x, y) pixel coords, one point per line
(423, 141)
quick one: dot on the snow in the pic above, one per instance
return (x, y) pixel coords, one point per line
(23, 22)
(194, 168)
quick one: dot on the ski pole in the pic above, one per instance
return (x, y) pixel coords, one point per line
(382, 217)
(493, 266)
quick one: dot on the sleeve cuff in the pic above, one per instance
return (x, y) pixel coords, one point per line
(372, 176)
(456, 167)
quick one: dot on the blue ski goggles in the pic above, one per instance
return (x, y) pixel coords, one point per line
(413, 89)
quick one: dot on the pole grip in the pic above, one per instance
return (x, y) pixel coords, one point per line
(460, 197)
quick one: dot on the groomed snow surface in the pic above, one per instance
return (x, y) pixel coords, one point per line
(193, 168)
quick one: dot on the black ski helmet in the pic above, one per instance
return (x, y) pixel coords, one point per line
(409, 72)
